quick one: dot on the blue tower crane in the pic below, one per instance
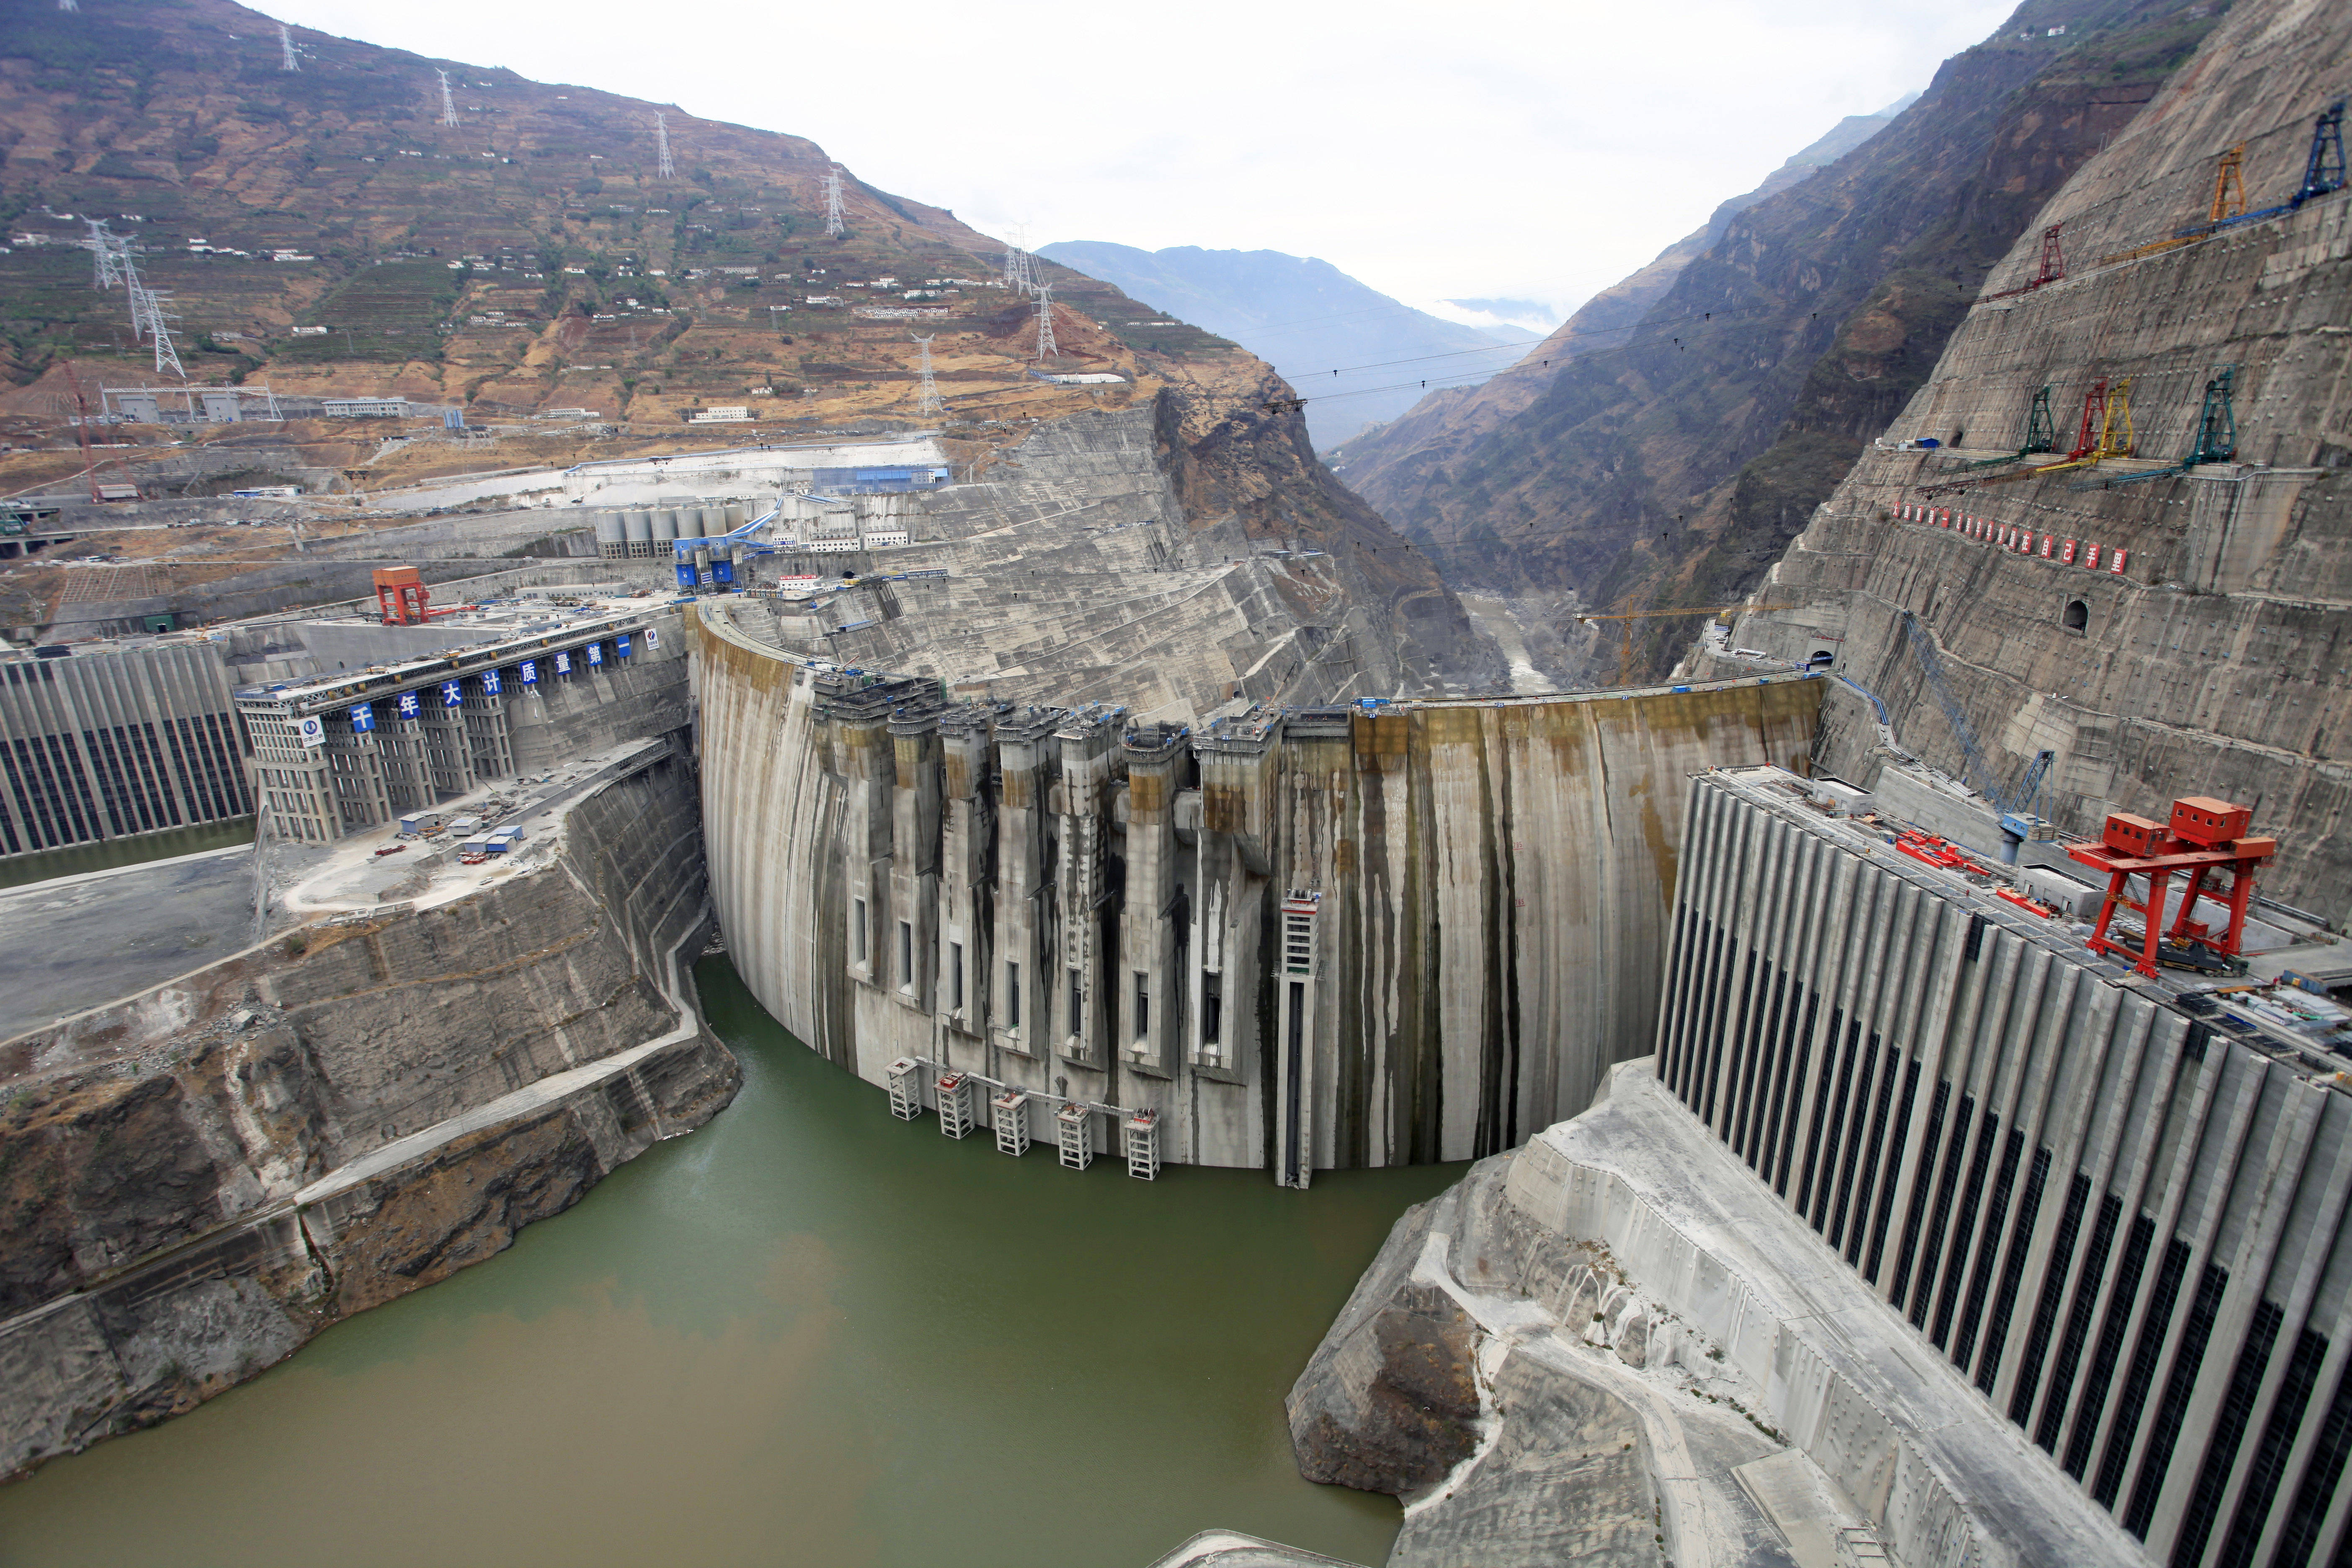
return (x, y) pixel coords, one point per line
(2013, 803)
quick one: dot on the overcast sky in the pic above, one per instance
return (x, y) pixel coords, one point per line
(1492, 148)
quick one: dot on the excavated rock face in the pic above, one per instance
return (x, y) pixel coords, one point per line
(1243, 455)
(1389, 1401)
(1565, 1482)
(1392, 1399)
(2180, 633)
(195, 1181)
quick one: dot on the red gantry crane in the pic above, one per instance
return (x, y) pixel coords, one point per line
(2205, 835)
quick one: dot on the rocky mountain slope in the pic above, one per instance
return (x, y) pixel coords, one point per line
(1305, 318)
(1399, 460)
(2163, 628)
(1669, 462)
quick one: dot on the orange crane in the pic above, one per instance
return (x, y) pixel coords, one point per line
(1625, 653)
(81, 428)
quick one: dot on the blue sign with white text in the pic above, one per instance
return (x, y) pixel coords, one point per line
(362, 719)
(408, 705)
(563, 664)
(489, 683)
(451, 694)
(595, 653)
(621, 644)
(530, 672)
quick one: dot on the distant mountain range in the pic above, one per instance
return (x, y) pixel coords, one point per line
(1305, 318)
(1528, 315)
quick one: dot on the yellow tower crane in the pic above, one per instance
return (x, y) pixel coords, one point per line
(1625, 653)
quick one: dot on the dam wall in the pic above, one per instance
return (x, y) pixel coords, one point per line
(198, 1178)
(1298, 939)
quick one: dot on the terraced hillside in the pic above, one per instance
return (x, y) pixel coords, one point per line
(323, 231)
(528, 256)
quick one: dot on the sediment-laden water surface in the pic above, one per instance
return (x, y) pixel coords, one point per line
(806, 1334)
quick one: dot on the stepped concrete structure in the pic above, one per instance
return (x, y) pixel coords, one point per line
(2159, 634)
(336, 754)
(1294, 938)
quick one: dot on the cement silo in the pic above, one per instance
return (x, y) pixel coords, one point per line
(637, 528)
(612, 538)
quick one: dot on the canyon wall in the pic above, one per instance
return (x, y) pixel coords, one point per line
(2164, 627)
(197, 1179)
(1670, 460)
(1299, 938)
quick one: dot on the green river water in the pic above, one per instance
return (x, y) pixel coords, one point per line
(806, 1334)
(17, 870)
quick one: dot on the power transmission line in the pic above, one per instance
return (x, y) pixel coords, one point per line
(1020, 270)
(1046, 346)
(102, 244)
(665, 169)
(286, 57)
(833, 224)
(927, 398)
(448, 105)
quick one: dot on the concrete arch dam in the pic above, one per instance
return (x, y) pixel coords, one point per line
(1298, 939)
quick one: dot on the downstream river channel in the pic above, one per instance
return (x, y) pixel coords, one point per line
(807, 1334)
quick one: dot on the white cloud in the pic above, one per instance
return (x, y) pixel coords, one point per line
(1503, 147)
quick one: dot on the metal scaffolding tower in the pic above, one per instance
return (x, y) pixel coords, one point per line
(107, 274)
(906, 1087)
(2323, 171)
(1046, 346)
(1073, 1131)
(2229, 185)
(448, 104)
(286, 56)
(1142, 1128)
(665, 169)
(832, 225)
(1010, 1113)
(927, 398)
(955, 1105)
(147, 307)
(1020, 274)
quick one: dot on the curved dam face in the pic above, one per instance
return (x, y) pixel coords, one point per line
(1297, 939)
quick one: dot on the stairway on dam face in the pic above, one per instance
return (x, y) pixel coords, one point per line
(2203, 653)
